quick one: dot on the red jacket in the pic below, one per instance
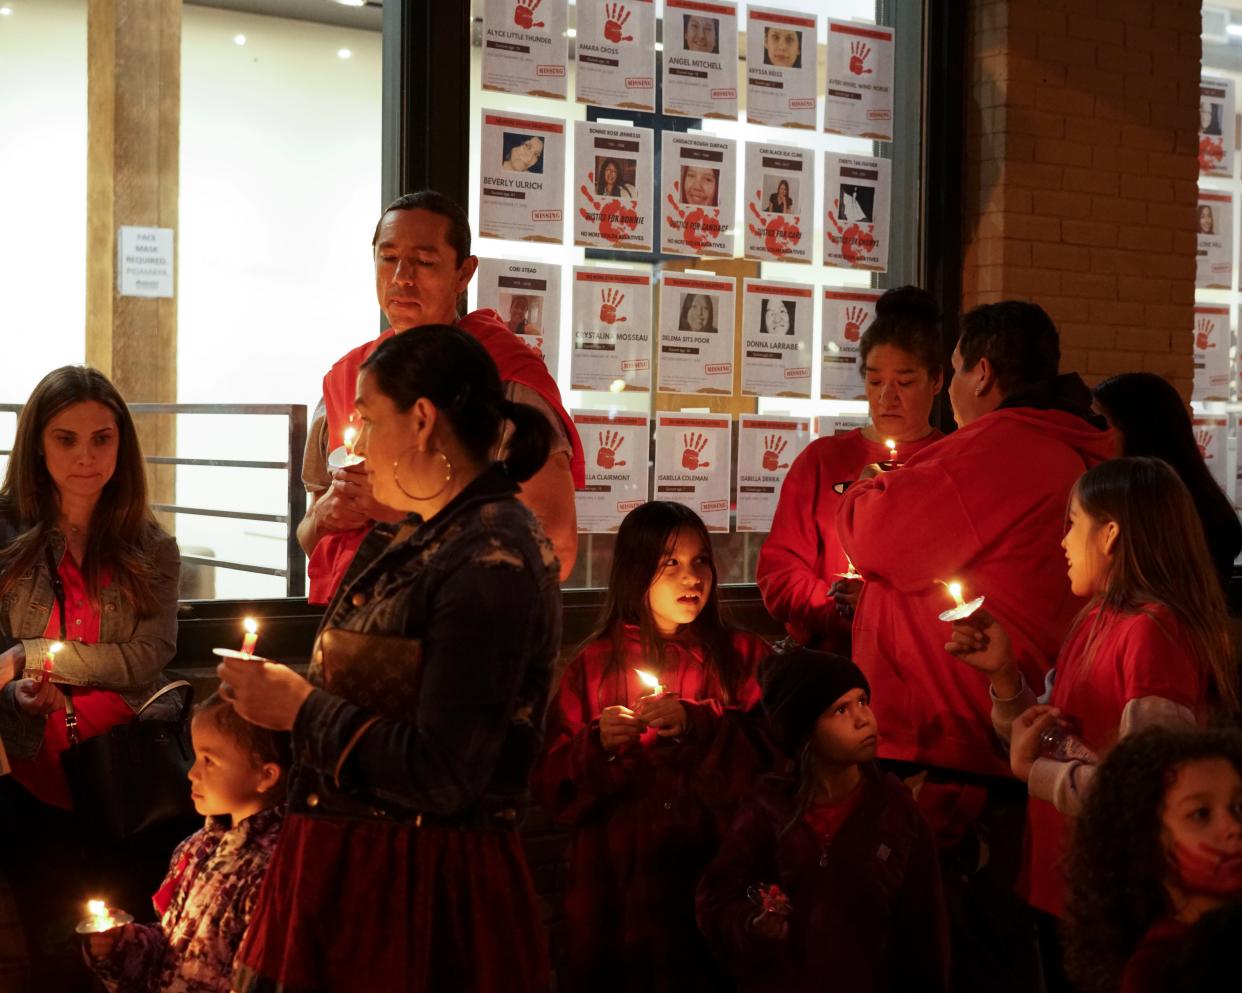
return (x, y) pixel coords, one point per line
(645, 822)
(802, 555)
(985, 506)
(516, 364)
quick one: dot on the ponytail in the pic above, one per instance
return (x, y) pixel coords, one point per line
(528, 443)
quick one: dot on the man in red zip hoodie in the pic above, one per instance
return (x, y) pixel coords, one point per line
(985, 507)
(422, 267)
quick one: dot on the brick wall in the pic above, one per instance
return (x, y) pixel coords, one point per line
(1081, 174)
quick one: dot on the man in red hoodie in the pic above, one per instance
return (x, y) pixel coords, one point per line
(985, 507)
(422, 267)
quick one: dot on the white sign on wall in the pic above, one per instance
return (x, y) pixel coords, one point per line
(692, 464)
(766, 448)
(144, 262)
(616, 446)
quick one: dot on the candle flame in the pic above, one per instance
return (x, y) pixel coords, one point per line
(647, 679)
(892, 447)
(955, 591)
(251, 625)
(55, 647)
(96, 908)
(351, 438)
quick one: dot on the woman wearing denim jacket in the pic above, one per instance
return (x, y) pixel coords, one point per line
(82, 562)
(399, 867)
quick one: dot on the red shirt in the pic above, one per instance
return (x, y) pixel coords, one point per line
(1148, 968)
(985, 506)
(1135, 655)
(826, 818)
(802, 555)
(97, 710)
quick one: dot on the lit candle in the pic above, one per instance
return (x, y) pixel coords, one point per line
(49, 660)
(101, 918)
(252, 635)
(650, 682)
(961, 608)
(351, 438)
(849, 573)
(955, 591)
(892, 449)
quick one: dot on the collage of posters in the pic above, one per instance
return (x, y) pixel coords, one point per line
(613, 187)
(1214, 259)
(780, 194)
(616, 54)
(617, 446)
(527, 296)
(696, 334)
(766, 447)
(693, 464)
(776, 338)
(523, 166)
(780, 78)
(611, 330)
(699, 174)
(846, 314)
(860, 81)
(700, 59)
(1211, 351)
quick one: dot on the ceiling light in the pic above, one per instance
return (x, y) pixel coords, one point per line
(352, 3)
(5, 11)
(239, 39)
(344, 53)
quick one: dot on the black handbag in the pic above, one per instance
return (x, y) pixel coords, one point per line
(134, 776)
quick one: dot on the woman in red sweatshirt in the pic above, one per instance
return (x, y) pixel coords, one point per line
(1151, 647)
(646, 778)
(801, 562)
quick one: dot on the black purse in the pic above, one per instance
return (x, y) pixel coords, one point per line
(132, 777)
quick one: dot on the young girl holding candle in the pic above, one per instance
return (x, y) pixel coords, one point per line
(647, 778)
(238, 782)
(1151, 647)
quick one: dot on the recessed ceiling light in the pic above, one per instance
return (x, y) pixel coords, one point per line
(239, 39)
(352, 3)
(344, 53)
(5, 11)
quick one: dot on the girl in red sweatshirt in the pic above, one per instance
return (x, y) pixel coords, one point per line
(802, 563)
(647, 777)
(1151, 647)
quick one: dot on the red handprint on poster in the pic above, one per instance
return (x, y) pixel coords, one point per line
(616, 15)
(1203, 438)
(524, 14)
(858, 58)
(1211, 153)
(610, 300)
(855, 317)
(1204, 329)
(856, 241)
(779, 235)
(609, 442)
(692, 447)
(614, 220)
(697, 227)
(773, 446)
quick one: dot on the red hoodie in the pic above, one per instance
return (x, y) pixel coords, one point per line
(801, 557)
(516, 363)
(985, 506)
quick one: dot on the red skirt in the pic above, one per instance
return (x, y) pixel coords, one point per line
(372, 905)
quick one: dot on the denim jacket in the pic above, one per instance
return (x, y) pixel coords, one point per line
(131, 653)
(475, 592)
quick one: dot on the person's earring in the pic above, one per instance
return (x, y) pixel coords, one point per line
(448, 477)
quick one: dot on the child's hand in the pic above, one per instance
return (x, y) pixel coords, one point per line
(982, 643)
(618, 727)
(100, 946)
(769, 926)
(664, 713)
(845, 594)
(1024, 738)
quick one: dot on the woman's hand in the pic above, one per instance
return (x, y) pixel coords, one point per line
(100, 946)
(264, 693)
(982, 643)
(618, 727)
(37, 698)
(870, 471)
(1024, 739)
(769, 926)
(664, 713)
(845, 594)
(12, 664)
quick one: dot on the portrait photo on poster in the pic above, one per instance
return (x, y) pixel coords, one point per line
(777, 316)
(697, 313)
(521, 152)
(616, 176)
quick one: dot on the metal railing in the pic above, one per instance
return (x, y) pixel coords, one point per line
(294, 571)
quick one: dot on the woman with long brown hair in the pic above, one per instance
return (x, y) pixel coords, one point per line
(82, 563)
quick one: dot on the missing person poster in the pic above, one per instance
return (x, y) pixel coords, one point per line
(525, 48)
(776, 338)
(1214, 261)
(700, 59)
(780, 68)
(1216, 126)
(612, 175)
(527, 296)
(1211, 344)
(611, 330)
(856, 198)
(699, 176)
(523, 178)
(696, 334)
(766, 447)
(860, 81)
(780, 193)
(693, 456)
(846, 314)
(617, 446)
(616, 54)
(1212, 437)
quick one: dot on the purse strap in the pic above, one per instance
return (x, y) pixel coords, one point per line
(58, 591)
(176, 684)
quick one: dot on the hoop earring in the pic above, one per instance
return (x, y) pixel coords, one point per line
(448, 477)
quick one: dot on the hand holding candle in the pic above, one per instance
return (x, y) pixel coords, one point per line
(250, 638)
(102, 918)
(659, 709)
(49, 660)
(344, 455)
(961, 609)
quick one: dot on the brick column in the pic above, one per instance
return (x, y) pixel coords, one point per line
(1082, 172)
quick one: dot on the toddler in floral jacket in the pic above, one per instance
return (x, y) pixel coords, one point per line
(238, 782)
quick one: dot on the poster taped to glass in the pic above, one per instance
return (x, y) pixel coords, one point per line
(699, 176)
(693, 462)
(613, 187)
(776, 339)
(1216, 126)
(700, 59)
(615, 48)
(847, 312)
(856, 197)
(527, 296)
(696, 334)
(611, 330)
(780, 68)
(1214, 259)
(780, 194)
(522, 175)
(1211, 351)
(860, 81)
(766, 448)
(617, 446)
(525, 48)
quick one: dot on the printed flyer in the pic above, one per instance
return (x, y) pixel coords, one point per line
(617, 447)
(700, 59)
(777, 338)
(834, 424)
(696, 334)
(699, 176)
(525, 48)
(766, 447)
(1212, 436)
(1216, 126)
(856, 197)
(613, 176)
(860, 81)
(523, 178)
(527, 296)
(1211, 344)
(611, 330)
(780, 68)
(780, 192)
(846, 314)
(1214, 261)
(693, 455)
(616, 54)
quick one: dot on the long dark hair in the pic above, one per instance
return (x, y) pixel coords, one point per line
(646, 536)
(908, 318)
(454, 372)
(1116, 864)
(121, 523)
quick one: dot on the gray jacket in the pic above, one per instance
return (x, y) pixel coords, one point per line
(129, 658)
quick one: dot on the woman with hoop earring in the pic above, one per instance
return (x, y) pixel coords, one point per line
(399, 866)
